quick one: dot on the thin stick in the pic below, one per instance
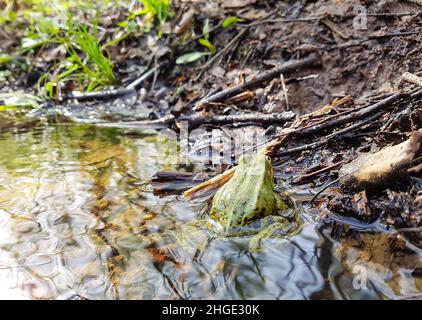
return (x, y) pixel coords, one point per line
(108, 94)
(286, 68)
(311, 175)
(197, 120)
(347, 16)
(331, 136)
(338, 121)
(322, 190)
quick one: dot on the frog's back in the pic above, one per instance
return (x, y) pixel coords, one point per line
(247, 196)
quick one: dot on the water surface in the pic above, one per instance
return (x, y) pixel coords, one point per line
(78, 222)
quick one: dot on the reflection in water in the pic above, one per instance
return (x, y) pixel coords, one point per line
(76, 223)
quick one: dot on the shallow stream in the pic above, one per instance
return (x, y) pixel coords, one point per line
(77, 221)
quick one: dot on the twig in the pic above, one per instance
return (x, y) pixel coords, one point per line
(307, 177)
(336, 121)
(410, 229)
(410, 245)
(198, 119)
(156, 71)
(108, 94)
(331, 136)
(350, 117)
(283, 84)
(265, 76)
(322, 190)
(353, 43)
(163, 121)
(382, 107)
(199, 36)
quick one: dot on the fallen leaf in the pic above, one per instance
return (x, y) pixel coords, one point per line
(362, 203)
(234, 4)
(190, 57)
(374, 170)
(185, 22)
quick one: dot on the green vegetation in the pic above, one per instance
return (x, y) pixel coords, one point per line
(86, 62)
(205, 41)
(229, 21)
(151, 10)
(16, 100)
(78, 54)
(155, 8)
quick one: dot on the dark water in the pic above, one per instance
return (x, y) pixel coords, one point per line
(77, 221)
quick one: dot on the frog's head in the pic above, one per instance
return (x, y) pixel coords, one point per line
(269, 169)
(257, 161)
(248, 195)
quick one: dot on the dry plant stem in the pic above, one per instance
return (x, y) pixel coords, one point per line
(322, 190)
(213, 183)
(409, 245)
(286, 68)
(418, 2)
(415, 169)
(240, 97)
(163, 121)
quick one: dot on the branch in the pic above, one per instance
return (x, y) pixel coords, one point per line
(286, 68)
(276, 118)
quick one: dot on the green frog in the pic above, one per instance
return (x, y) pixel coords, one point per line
(247, 203)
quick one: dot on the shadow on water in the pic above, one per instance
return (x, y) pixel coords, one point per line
(76, 223)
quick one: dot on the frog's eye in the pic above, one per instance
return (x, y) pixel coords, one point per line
(268, 158)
